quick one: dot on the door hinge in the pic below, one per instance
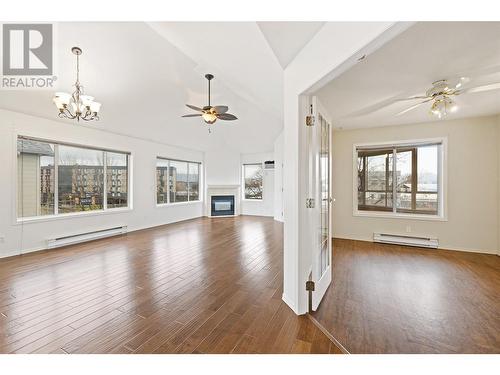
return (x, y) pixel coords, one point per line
(310, 286)
(309, 202)
(310, 120)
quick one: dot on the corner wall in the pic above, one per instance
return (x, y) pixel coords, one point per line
(333, 45)
(278, 178)
(21, 238)
(471, 194)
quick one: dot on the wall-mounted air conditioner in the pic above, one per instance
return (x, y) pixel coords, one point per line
(269, 164)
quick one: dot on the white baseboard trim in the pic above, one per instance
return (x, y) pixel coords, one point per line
(289, 303)
(443, 246)
(11, 253)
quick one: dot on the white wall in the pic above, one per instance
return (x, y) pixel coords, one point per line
(222, 167)
(322, 58)
(278, 177)
(264, 207)
(498, 180)
(471, 192)
(21, 238)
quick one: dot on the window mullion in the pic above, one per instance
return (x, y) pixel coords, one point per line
(105, 181)
(187, 181)
(365, 164)
(168, 181)
(394, 180)
(56, 179)
(414, 180)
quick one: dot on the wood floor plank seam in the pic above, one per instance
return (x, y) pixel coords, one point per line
(207, 285)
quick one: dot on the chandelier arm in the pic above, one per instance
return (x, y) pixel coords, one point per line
(69, 114)
(88, 116)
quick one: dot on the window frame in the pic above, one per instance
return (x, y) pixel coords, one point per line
(200, 176)
(243, 197)
(56, 215)
(442, 214)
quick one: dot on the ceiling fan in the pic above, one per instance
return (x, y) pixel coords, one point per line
(210, 113)
(439, 96)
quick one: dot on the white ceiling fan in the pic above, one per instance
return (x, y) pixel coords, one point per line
(439, 96)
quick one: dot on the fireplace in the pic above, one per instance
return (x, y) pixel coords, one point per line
(222, 205)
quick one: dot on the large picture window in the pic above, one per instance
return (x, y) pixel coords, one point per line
(177, 181)
(55, 178)
(400, 178)
(252, 180)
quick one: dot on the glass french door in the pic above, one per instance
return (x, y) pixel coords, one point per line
(320, 157)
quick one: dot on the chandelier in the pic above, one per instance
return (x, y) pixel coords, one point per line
(77, 105)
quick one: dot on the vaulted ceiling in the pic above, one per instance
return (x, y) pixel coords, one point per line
(145, 73)
(407, 65)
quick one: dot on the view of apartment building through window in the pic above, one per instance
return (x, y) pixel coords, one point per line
(177, 181)
(415, 170)
(76, 175)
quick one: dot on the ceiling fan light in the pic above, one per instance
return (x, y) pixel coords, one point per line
(209, 117)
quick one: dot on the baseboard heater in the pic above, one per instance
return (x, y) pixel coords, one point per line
(84, 237)
(406, 240)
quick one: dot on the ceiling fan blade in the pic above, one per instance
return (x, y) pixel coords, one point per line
(489, 87)
(412, 98)
(221, 108)
(461, 82)
(412, 107)
(193, 115)
(194, 107)
(382, 104)
(226, 116)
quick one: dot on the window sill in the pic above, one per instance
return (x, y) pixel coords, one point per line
(40, 219)
(177, 204)
(393, 215)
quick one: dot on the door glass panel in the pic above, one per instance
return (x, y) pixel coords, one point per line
(324, 175)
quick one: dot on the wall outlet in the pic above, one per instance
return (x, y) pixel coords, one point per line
(408, 229)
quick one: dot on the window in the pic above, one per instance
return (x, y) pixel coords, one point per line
(117, 179)
(80, 179)
(415, 171)
(74, 177)
(177, 181)
(35, 178)
(252, 179)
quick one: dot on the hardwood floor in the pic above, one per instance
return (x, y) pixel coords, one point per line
(392, 299)
(199, 286)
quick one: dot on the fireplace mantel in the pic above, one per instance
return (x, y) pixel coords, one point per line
(223, 190)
